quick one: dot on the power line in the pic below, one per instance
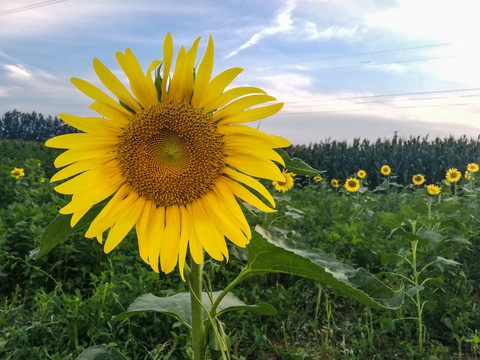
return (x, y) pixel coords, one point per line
(29, 7)
(388, 95)
(359, 54)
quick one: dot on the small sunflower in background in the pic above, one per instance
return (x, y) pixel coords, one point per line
(418, 179)
(385, 170)
(472, 167)
(283, 186)
(334, 183)
(17, 173)
(433, 189)
(352, 184)
(453, 175)
(468, 175)
(317, 178)
(361, 174)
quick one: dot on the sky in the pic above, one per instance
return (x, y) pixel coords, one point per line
(344, 69)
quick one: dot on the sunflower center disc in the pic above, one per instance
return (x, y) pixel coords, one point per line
(171, 154)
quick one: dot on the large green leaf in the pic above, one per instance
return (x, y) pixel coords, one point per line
(100, 352)
(59, 230)
(178, 306)
(296, 165)
(266, 255)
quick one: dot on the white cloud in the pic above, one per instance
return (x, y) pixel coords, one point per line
(282, 23)
(312, 33)
(17, 71)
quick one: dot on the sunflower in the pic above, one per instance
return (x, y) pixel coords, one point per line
(472, 167)
(171, 159)
(287, 182)
(433, 189)
(335, 183)
(17, 173)
(352, 184)
(385, 170)
(468, 175)
(418, 179)
(318, 178)
(361, 174)
(453, 175)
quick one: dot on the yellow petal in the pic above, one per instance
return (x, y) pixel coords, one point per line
(244, 131)
(97, 94)
(70, 156)
(203, 75)
(226, 197)
(124, 224)
(144, 221)
(171, 243)
(81, 166)
(114, 85)
(208, 235)
(260, 168)
(223, 220)
(194, 242)
(240, 105)
(184, 238)
(141, 88)
(90, 124)
(249, 181)
(247, 196)
(252, 115)
(80, 141)
(167, 63)
(118, 118)
(230, 95)
(218, 85)
(248, 148)
(156, 238)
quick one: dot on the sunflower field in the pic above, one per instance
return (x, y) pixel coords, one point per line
(406, 210)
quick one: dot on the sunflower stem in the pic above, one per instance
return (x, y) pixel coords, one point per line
(198, 335)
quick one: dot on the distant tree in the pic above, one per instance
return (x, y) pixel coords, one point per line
(16, 125)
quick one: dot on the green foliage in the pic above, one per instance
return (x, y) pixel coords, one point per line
(406, 157)
(59, 305)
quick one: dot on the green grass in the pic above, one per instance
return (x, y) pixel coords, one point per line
(55, 307)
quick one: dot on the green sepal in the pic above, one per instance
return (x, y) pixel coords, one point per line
(266, 255)
(296, 165)
(158, 82)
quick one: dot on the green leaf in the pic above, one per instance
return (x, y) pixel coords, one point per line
(178, 306)
(390, 220)
(390, 258)
(59, 229)
(407, 211)
(296, 165)
(414, 290)
(430, 305)
(266, 255)
(101, 352)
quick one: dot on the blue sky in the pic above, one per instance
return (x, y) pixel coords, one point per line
(343, 68)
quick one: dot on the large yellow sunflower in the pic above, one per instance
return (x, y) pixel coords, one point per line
(286, 184)
(172, 158)
(453, 175)
(352, 184)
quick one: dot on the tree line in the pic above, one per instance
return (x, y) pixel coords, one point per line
(17, 125)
